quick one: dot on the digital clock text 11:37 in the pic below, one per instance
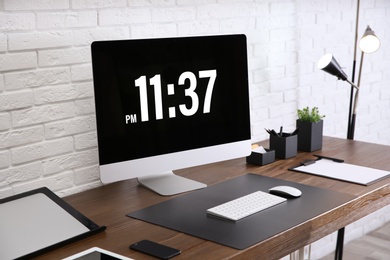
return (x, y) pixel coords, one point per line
(189, 92)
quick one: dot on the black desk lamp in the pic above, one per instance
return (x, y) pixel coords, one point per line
(369, 43)
(329, 64)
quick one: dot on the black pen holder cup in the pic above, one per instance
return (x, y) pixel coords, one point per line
(285, 146)
(261, 158)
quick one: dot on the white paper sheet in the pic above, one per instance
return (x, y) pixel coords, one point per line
(344, 171)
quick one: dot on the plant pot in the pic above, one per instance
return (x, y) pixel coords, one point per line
(310, 135)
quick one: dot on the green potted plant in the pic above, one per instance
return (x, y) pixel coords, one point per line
(310, 126)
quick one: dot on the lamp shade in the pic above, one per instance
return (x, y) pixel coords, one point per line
(369, 43)
(329, 64)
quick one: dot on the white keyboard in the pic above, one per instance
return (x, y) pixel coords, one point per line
(245, 206)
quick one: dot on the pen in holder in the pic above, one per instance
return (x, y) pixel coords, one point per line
(284, 144)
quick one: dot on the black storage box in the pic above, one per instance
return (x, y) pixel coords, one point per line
(261, 158)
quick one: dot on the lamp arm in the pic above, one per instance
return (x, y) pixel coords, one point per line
(352, 84)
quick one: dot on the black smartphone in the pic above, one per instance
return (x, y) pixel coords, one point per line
(155, 249)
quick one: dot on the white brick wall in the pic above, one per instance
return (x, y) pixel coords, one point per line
(47, 120)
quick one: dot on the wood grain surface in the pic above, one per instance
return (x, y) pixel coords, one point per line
(109, 204)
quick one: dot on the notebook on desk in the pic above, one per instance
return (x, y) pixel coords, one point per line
(38, 220)
(339, 170)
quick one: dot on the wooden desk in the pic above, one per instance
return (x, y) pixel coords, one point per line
(108, 205)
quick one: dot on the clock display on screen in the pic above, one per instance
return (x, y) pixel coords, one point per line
(161, 96)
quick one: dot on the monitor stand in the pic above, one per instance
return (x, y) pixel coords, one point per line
(168, 183)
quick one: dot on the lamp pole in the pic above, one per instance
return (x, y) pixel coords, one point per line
(351, 117)
(351, 126)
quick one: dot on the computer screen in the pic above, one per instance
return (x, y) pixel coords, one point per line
(170, 103)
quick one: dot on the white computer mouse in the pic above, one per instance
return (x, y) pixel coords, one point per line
(285, 191)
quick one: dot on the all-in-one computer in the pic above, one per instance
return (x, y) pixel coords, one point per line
(170, 103)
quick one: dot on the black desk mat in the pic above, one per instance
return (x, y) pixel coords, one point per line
(187, 213)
